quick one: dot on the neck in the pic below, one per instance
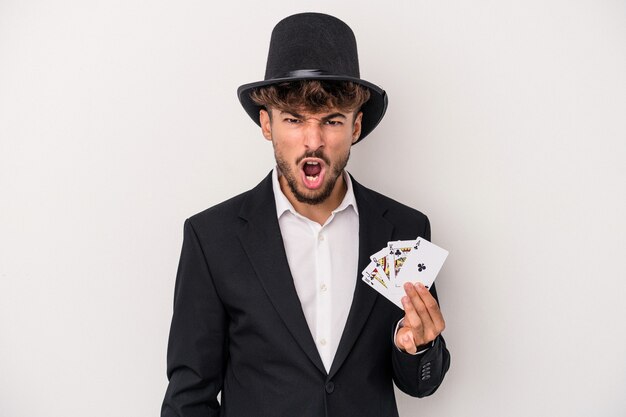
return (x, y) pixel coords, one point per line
(318, 213)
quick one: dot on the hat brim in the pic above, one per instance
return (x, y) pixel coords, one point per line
(373, 109)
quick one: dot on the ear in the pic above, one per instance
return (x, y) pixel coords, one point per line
(356, 127)
(266, 124)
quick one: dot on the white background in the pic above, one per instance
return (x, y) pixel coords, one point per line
(506, 126)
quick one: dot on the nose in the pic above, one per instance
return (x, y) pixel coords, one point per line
(313, 135)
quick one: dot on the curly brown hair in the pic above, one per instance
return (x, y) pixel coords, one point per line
(312, 96)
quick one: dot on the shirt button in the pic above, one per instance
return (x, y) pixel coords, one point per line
(323, 287)
(321, 238)
(323, 342)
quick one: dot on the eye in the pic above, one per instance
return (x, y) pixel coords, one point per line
(291, 120)
(333, 122)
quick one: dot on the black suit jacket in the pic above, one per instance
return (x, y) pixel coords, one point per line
(238, 326)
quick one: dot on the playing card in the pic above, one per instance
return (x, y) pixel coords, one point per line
(403, 261)
(375, 278)
(422, 263)
(382, 261)
(397, 253)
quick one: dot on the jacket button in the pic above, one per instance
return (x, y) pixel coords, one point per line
(330, 387)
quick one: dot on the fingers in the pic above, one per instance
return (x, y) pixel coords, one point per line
(412, 321)
(417, 311)
(432, 307)
(422, 313)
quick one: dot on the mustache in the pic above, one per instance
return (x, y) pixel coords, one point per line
(314, 154)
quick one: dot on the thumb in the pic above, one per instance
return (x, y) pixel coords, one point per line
(405, 341)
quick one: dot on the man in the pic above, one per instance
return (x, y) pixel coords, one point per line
(269, 309)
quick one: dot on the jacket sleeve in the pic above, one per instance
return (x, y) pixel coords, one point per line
(197, 348)
(420, 375)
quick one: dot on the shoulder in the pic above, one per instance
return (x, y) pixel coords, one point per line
(407, 220)
(392, 207)
(223, 211)
(230, 213)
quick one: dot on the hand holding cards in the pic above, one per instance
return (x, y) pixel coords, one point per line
(403, 261)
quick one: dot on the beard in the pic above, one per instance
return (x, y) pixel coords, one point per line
(312, 197)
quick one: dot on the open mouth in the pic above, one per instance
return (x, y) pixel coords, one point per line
(312, 169)
(312, 173)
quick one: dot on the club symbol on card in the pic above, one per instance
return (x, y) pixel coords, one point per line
(421, 267)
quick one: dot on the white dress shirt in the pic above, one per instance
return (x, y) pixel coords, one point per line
(323, 260)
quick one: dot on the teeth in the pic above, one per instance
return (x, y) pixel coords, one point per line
(310, 178)
(312, 163)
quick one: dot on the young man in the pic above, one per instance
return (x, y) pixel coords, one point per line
(269, 307)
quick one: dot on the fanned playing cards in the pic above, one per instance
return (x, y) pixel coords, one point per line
(403, 261)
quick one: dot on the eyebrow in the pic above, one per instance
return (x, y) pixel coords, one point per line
(333, 115)
(299, 116)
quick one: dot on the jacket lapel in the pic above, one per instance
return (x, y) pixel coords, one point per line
(374, 232)
(263, 244)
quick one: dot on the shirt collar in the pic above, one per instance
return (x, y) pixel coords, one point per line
(283, 204)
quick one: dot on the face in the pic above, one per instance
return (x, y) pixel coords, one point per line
(311, 149)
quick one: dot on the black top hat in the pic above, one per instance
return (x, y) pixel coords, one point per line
(315, 46)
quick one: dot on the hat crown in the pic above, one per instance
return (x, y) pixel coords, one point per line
(315, 46)
(312, 41)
